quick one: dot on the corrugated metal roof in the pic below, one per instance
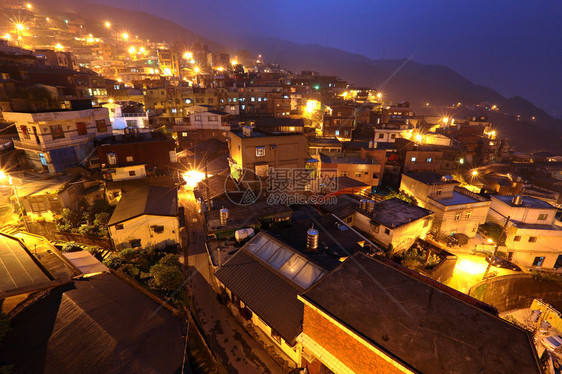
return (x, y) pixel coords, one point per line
(267, 293)
(151, 200)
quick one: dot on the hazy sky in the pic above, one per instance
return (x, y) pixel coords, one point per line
(512, 46)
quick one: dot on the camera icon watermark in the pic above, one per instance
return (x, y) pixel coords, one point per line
(287, 186)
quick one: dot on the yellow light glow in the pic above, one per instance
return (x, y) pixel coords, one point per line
(312, 106)
(7, 36)
(426, 104)
(193, 177)
(197, 70)
(188, 55)
(59, 47)
(142, 50)
(48, 19)
(490, 240)
(474, 173)
(445, 119)
(125, 36)
(19, 26)
(132, 50)
(419, 138)
(234, 62)
(107, 24)
(467, 266)
(379, 95)
(29, 6)
(220, 69)
(111, 100)
(2, 174)
(119, 80)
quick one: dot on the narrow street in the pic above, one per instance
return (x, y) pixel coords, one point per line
(236, 349)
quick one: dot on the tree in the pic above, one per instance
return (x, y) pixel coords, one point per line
(167, 274)
(402, 196)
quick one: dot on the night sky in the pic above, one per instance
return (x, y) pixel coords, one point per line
(512, 46)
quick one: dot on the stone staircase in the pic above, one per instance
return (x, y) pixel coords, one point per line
(9, 229)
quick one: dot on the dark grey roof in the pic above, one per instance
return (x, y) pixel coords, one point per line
(527, 202)
(439, 333)
(344, 206)
(395, 212)
(429, 178)
(267, 293)
(95, 325)
(150, 200)
(347, 182)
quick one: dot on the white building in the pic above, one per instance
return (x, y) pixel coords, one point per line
(121, 121)
(394, 222)
(534, 235)
(209, 120)
(55, 140)
(146, 216)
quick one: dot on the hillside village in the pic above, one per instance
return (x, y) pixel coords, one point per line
(167, 208)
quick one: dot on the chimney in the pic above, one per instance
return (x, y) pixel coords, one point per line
(312, 239)
(517, 200)
(370, 206)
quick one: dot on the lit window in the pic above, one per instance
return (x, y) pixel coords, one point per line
(111, 158)
(457, 217)
(542, 217)
(337, 132)
(467, 215)
(129, 158)
(252, 99)
(260, 151)
(538, 261)
(428, 159)
(532, 239)
(413, 159)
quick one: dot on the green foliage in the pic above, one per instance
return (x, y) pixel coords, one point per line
(4, 324)
(167, 274)
(491, 230)
(402, 196)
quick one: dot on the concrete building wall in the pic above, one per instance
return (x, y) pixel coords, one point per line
(129, 172)
(141, 228)
(294, 354)
(523, 214)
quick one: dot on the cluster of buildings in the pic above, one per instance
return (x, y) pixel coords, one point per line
(308, 187)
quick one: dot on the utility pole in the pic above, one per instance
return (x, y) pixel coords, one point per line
(500, 240)
(207, 186)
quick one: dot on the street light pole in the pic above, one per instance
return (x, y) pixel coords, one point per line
(500, 240)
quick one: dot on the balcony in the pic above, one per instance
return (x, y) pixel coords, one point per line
(31, 145)
(136, 115)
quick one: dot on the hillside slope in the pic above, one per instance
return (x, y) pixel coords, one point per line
(399, 79)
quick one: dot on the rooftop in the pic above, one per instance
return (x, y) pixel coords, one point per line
(261, 133)
(150, 200)
(98, 324)
(423, 327)
(268, 276)
(527, 202)
(459, 196)
(19, 272)
(430, 178)
(395, 212)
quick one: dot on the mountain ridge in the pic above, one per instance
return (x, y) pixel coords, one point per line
(417, 83)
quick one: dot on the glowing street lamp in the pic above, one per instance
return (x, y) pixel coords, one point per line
(197, 70)
(445, 119)
(474, 173)
(20, 26)
(192, 178)
(379, 95)
(125, 36)
(107, 24)
(59, 47)
(132, 50)
(188, 55)
(142, 50)
(4, 175)
(419, 138)
(7, 36)
(234, 62)
(29, 6)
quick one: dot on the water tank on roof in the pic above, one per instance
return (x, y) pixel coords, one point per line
(312, 240)
(447, 178)
(370, 206)
(363, 204)
(517, 200)
(223, 216)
